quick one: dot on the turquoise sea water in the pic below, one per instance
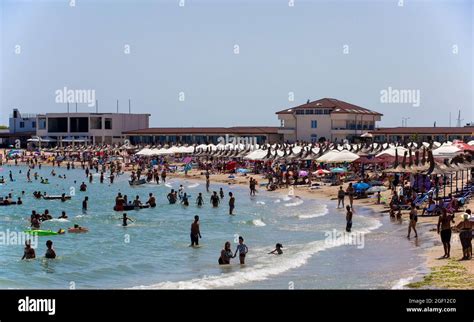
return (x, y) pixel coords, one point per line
(153, 252)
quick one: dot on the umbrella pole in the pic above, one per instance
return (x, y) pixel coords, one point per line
(451, 184)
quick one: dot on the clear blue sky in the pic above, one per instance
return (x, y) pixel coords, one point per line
(282, 49)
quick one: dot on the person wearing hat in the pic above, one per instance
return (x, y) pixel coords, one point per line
(465, 235)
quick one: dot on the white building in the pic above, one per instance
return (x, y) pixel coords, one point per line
(19, 123)
(326, 119)
(94, 128)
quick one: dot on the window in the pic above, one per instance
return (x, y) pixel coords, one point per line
(314, 137)
(319, 111)
(79, 124)
(96, 123)
(22, 125)
(314, 124)
(108, 124)
(33, 124)
(309, 111)
(327, 111)
(42, 124)
(299, 112)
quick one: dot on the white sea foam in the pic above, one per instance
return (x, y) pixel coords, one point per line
(401, 283)
(258, 222)
(324, 211)
(297, 202)
(194, 185)
(168, 185)
(260, 202)
(265, 266)
(277, 201)
(59, 220)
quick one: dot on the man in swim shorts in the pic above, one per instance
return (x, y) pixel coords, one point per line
(195, 232)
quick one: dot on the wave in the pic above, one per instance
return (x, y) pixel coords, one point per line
(194, 185)
(277, 201)
(265, 267)
(168, 185)
(260, 202)
(255, 222)
(60, 219)
(324, 212)
(294, 204)
(401, 283)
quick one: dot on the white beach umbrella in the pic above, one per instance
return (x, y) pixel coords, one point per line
(446, 151)
(343, 156)
(256, 155)
(391, 151)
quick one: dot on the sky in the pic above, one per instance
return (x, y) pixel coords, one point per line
(237, 62)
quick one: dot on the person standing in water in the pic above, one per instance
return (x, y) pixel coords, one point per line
(226, 254)
(231, 203)
(215, 199)
(195, 232)
(348, 219)
(413, 220)
(242, 249)
(208, 181)
(350, 192)
(172, 197)
(221, 193)
(84, 205)
(29, 251)
(199, 200)
(125, 219)
(101, 179)
(151, 200)
(184, 200)
(50, 253)
(340, 197)
(444, 230)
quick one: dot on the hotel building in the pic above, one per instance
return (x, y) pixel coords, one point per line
(326, 119)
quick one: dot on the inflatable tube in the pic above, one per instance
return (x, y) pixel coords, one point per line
(8, 204)
(131, 207)
(40, 232)
(56, 197)
(137, 182)
(77, 230)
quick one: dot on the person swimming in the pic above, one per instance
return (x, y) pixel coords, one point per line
(63, 215)
(277, 250)
(50, 253)
(77, 229)
(29, 252)
(83, 187)
(125, 219)
(199, 200)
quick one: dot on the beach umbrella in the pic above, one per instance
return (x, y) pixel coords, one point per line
(446, 151)
(377, 189)
(361, 186)
(321, 172)
(338, 170)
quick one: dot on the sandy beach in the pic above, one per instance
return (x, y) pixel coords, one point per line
(443, 273)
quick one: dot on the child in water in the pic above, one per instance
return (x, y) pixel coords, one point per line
(199, 200)
(277, 250)
(125, 219)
